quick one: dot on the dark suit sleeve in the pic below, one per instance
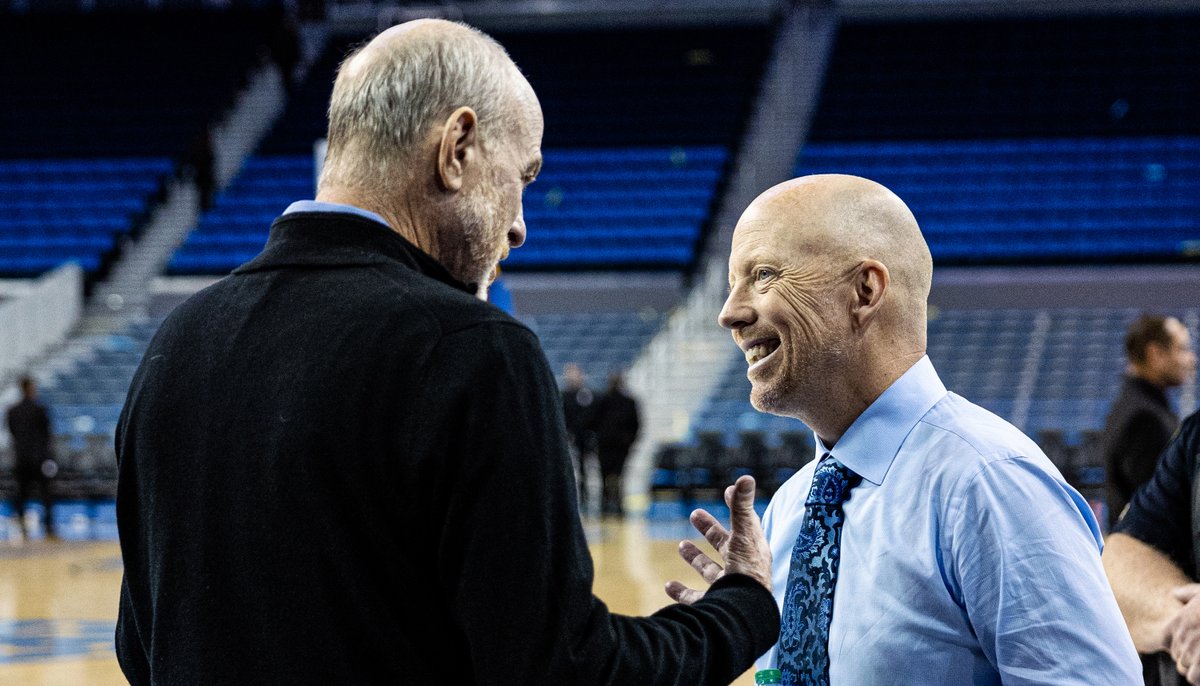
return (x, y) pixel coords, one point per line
(1160, 512)
(511, 555)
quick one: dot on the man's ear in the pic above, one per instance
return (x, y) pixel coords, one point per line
(871, 281)
(458, 147)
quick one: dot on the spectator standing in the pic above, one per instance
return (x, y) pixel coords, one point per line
(1141, 420)
(29, 423)
(616, 425)
(579, 405)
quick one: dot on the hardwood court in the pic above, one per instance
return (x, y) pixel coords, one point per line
(58, 602)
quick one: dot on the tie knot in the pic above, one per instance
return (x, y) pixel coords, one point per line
(831, 483)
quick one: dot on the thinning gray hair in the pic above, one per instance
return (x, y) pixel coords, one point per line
(384, 103)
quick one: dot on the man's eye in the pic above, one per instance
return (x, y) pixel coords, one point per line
(764, 274)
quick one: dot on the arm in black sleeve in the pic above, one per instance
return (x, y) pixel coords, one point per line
(1160, 512)
(513, 561)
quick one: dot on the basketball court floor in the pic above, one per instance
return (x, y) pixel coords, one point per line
(58, 601)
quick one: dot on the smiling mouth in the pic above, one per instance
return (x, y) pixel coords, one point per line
(761, 350)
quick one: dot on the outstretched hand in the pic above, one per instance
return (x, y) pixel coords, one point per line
(743, 547)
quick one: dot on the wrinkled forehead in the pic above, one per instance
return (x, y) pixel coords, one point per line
(779, 238)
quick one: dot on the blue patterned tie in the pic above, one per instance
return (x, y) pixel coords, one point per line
(808, 603)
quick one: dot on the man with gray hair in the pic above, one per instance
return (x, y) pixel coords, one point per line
(929, 542)
(339, 465)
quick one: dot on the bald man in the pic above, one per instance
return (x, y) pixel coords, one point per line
(339, 465)
(930, 542)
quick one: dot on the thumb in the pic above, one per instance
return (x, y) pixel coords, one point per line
(1185, 593)
(740, 497)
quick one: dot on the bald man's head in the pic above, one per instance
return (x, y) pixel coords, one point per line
(829, 275)
(391, 92)
(848, 218)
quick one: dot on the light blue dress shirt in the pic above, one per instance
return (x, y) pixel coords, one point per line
(966, 558)
(315, 206)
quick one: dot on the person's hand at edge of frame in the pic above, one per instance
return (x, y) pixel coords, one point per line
(1183, 633)
(743, 547)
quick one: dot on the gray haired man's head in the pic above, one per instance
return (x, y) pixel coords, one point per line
(434, 128)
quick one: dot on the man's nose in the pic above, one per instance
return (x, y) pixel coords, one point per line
(736, 313)
(516, 234)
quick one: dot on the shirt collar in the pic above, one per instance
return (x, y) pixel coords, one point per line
(871, 443)
(320, 206)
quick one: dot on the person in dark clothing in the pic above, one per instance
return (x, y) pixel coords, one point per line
(615, 424)
(201, 164)
(578, 406)
(1152, 558)
(1141, 420)
(340, 465)
(29, 423)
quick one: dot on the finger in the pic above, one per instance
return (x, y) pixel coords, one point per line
(1193, 674)
(740, 497)
(710, 529)
(682, 594)
(1185, 593)
(703, 564)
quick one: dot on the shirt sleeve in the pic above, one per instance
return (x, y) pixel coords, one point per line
(1160, 512)
(513, 560)
(1024, 553)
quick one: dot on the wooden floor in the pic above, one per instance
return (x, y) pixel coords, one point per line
(58, 600)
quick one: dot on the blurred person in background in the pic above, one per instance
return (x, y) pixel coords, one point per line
(1152, 558)
(29, 423)
(339, 464)
(616, 423)
(958, 552)
(1141, 421)
(578, 407)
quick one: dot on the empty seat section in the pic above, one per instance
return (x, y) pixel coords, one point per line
(56, 211)
(1044, 200)
(1051, 140)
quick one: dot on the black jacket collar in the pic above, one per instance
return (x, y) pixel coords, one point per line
(337, 239)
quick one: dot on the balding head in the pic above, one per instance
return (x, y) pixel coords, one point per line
(432, 127)
(849, 219)
(829, 278)
(391, 92)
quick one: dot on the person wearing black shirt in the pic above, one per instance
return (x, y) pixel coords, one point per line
(29, 424)
(616, 425)
(578, 406)
(340, 465)
(1152, 558)
(1141, 420)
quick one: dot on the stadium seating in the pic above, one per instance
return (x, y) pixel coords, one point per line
(91, 129)
(1037, 200)
(599, 342)
(1063, 140)
(54, 211)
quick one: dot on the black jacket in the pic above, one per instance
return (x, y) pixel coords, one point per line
(29, 425)
(338, 466)
(1139, 426)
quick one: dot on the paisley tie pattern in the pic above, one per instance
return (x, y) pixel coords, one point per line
(808, 602)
